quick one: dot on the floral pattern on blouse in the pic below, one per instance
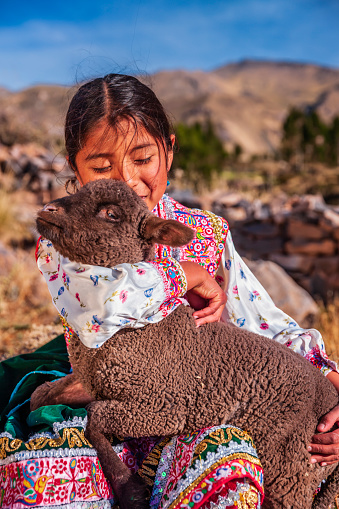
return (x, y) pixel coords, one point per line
(95, 302)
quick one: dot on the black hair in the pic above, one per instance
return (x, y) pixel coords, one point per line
(113, 98)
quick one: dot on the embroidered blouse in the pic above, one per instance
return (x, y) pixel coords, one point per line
(96, 302)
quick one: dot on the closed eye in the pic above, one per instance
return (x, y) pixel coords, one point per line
(143, 161)
(102, 170)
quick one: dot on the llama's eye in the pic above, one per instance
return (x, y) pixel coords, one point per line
(108, 214)
(111, 214)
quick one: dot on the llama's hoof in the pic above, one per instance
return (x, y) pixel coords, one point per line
(135, 494)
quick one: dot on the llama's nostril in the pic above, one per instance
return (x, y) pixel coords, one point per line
(50, 208)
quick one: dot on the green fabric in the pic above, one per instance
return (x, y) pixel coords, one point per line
(20, 375)
(53, 413)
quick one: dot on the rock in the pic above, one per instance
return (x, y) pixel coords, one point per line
(285, 292)
(308, 202)
(333, 282)
(258, 247)
(294, 263)
(326, 247)
(233, 215)
(260, 229)
(229, 199)
(328, 265)
(332, 218)
(260, 211)
(297, 228)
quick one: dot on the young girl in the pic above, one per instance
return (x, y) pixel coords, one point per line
(116, 128)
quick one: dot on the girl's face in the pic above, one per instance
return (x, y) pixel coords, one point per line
(128, 155)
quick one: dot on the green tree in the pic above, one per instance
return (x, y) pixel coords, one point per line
(200, 152)
(333, 142)
(307, 135)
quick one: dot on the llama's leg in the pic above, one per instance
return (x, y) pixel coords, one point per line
(329, 493)
(130, 489)
(65, 391)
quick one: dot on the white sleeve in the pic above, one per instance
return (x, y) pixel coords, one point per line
(249, 306)
(97, 301)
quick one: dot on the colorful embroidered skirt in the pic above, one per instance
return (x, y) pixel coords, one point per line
(45, 459)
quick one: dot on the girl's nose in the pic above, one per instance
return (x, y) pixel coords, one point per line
(130, 174)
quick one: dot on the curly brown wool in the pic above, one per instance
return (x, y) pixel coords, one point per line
(171, 378)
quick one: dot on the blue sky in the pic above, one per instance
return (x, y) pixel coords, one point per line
(66, 41)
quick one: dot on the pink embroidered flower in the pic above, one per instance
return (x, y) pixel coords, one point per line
(47, 258)
(95, 327)
(123, 295)
(219, 279)
(264, 326)
(65, 279)
(235, 290)
(53, 277)
(141, 272)
(288, 343)
(77, 296)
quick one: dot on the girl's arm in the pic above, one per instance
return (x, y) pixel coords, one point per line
(249, 306)
(325, 445)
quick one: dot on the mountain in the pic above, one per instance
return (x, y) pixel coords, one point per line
(246, 101)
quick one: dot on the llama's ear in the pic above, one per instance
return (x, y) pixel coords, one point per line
(166, 231)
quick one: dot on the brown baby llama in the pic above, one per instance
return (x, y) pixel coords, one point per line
(170, 377)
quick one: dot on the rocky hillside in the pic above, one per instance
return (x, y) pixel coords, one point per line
(247, 101)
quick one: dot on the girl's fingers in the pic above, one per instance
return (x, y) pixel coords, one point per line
(207, 319)
(211, 309)
(329, 420)
(324, 450)
(324, 460)
(326, 438)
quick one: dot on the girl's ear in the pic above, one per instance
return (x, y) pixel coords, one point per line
(166, 231)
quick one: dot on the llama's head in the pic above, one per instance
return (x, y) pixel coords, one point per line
(105, 223)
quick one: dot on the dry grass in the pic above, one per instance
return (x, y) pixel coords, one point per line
(27, 315)
(328, 325)
(16, 222)
(25, 303)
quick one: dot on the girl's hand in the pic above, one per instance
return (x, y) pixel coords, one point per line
(204, 294)
(325, 446)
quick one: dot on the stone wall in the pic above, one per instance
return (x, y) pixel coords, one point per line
(301, 234)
